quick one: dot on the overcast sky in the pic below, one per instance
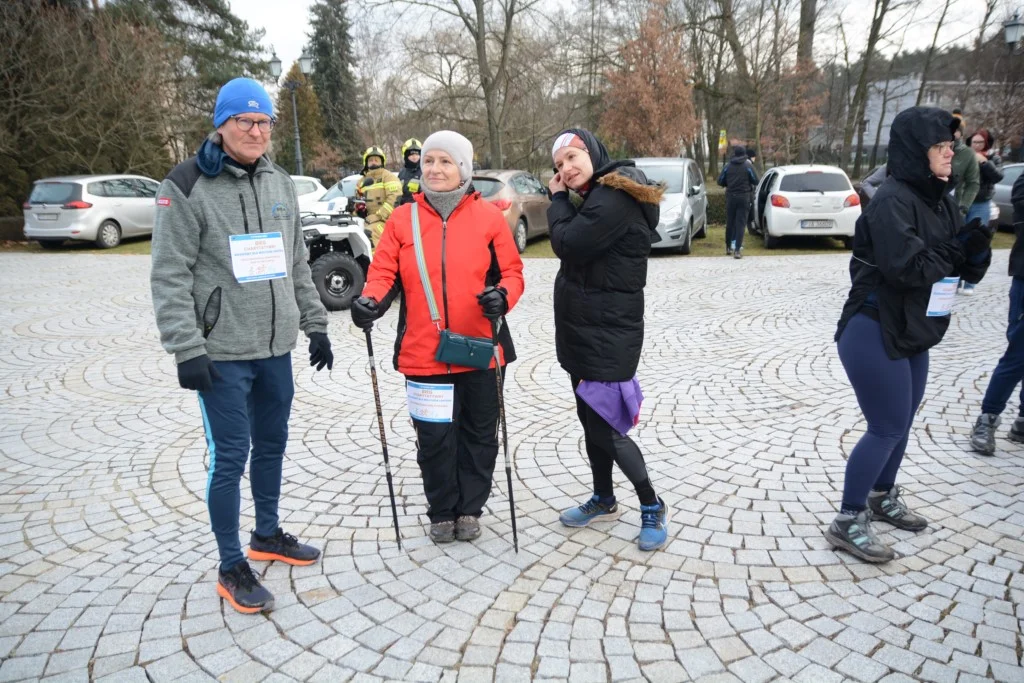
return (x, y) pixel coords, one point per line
(286, 30)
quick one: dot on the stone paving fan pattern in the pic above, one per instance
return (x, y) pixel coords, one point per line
(107, 564)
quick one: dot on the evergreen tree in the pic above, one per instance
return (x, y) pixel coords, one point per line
(333, 78)
(311, 126)
(214, 46)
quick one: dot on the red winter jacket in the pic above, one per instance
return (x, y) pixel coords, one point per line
(474, 248)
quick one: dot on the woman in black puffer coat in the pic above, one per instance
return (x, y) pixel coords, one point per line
(603, 243)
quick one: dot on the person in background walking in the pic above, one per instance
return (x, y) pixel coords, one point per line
(966, 174)
(990, 170)
(232, 328)
(603, 245)
(739, 180)
(475, 274)
(1010, 370)
(910, 245)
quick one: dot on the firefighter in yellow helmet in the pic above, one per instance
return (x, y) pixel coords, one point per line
(410, 173)
(380, 188)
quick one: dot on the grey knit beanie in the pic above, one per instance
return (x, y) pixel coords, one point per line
(460, 149)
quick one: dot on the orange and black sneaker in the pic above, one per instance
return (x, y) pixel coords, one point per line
(240, 587)
(283, 548)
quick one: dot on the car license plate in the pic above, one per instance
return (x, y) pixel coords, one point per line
(46, 216)
(815, 224)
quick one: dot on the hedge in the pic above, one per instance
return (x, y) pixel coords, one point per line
(11, 229)
(716, 205)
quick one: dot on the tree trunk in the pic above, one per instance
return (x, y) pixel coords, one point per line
(979, 43)
(805, 56)
(931, 52)
(856, 110)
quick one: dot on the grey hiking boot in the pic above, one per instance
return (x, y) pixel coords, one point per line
(983, 438)
(467, 528)
(1016, 433)
(442, 532)
(889, 507)
(855, 535)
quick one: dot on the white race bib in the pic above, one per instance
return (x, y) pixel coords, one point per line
(258, 256)
(430, 402)
(943, 294)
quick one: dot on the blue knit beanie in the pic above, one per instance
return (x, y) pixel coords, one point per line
(241, 96)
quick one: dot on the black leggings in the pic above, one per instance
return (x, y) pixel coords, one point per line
(606, 446)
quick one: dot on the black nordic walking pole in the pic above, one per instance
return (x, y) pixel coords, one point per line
(383, 439)
(504, 433)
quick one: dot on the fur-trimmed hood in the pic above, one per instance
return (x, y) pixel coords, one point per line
(625, 176)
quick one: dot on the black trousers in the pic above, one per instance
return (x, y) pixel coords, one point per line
(606, 446)
(737, 206)
(457, 458)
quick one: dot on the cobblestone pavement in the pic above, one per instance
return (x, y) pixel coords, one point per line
(107, 565)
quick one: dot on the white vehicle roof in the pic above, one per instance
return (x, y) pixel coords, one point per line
(804, 168)
(306, 177)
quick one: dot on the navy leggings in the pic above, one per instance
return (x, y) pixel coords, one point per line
(889, 392)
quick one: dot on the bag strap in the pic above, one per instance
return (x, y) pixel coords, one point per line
(421, 265)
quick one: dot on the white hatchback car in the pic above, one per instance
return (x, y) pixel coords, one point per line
(309, 190)
(805, 200)
(100, 209)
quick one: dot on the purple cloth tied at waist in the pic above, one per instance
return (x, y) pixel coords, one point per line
(617, 402)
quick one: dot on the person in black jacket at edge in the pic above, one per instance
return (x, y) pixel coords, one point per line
(909, 250)
(603, 247)
(739, 180)
(1010, 370)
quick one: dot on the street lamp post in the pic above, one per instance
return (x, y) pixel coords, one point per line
(306, 67)
(1013, 31)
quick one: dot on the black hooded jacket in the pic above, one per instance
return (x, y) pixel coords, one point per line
(603, 246)
(906, 240)
(410, 171)
(738, 177)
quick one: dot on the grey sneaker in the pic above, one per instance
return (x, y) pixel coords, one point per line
(442, 532)
(738, 253)
(1016, 433)
(467, 528)
(889, 507)
(983, 438)
(855, 535)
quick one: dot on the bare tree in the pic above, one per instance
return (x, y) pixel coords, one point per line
(489, 24)
(931, 50)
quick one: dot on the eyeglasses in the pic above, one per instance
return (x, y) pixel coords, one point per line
(245, 125)
(977, 142)
(943, 146)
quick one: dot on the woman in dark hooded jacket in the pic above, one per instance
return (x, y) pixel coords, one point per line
(603, 243)
(909, 251)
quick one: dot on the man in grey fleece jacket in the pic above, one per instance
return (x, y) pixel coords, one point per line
(231, 319)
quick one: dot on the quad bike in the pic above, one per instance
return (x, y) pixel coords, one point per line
(339, 256)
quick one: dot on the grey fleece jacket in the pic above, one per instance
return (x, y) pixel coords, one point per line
(191, 259)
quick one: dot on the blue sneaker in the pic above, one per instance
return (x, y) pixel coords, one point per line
(653, 526)
(592, 509)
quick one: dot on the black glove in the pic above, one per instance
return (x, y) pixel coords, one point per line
(494, 301)
(320, 353)
(364, 312)
(976, 238)
(197, 374)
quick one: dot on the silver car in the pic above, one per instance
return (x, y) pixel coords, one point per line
(684, 207)
(1001, 194)
(98, 208)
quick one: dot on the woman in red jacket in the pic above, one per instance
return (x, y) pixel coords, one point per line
(475, 276)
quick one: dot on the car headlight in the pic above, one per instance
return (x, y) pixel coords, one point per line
(672, 214)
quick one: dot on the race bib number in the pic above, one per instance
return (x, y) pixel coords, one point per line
(258, 256)
(430, 402)
(940, 303)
